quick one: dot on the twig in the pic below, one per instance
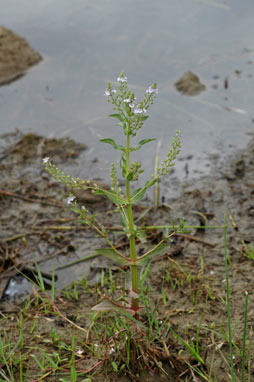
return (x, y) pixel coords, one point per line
(78, 261)
(17, 196)
(193, 238)
(156, 186)
(56, 309)
(60, 228)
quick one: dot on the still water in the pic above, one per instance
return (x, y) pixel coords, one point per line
(86, 43)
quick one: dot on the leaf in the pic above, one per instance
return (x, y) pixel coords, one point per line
(141, 143)
(157, 250)
(123, 165)
(75, 209)
(190, 348)
(140, 192)
(123, 219)
(113, 255)
(130, 176)
(113, 143)
(141, 235)
(104, 306)
(118, 116)
(125, 310)
(108, 304)
(111, 195)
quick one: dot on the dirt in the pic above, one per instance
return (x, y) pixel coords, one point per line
(16, 56)
(189, 84)
(37, 222)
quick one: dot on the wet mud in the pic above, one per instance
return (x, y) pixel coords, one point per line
(36, 223)
(189, 84)
(16, 56)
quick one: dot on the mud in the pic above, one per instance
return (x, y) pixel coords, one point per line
(16, 56)
(37, 222)
(189, 84)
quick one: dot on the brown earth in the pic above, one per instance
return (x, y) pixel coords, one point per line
(189, 84)
(16, 56)
(36, 221)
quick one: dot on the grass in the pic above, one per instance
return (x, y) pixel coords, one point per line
(55, 337)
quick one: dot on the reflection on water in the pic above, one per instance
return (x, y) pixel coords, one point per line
(86, 43)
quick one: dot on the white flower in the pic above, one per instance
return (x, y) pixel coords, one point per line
(132, 105)
(45, 160)
(112, 351)
(122, 79)
(140, 111)
(152, 90)
(109, 92)
(127, 100)
(70, 199)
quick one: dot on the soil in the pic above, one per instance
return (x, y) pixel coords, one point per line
(189, 84)
(36, 222)
(16, 56)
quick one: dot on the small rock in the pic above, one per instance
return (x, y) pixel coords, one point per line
(189, 84)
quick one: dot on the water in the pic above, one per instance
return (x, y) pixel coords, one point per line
(87, 43)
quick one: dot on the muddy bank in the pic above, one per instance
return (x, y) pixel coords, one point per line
(36, 222)
(16, 56)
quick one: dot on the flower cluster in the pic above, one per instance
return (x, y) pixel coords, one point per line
(114, 180)
(135, 170)
(124, 101)
(60, 176)
(171, 156)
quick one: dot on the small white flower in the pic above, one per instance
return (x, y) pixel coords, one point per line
(140, 111)
(132, 105)
(112, 351)
(151, 90)
(127, 100)
(45, 160)
(122, 79)
(109, 92)
(70, 199)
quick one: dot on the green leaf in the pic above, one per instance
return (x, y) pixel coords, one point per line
(118, 116)
(141, 235)
(140, 192)
(130, 176)
(190, 348)
(75, 209)
(123, 219)
(141, 143)
(113, 255)
(157, 250)
(123, 165)
(113, 143)
(113, 196)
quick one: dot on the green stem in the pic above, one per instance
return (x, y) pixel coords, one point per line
(244, 334)
(133, 252)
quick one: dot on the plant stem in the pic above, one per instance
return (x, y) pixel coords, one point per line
(133, 252)
(244, 334)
